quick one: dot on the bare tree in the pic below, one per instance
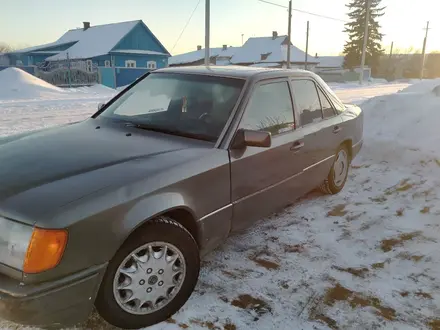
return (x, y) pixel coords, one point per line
(4, 47)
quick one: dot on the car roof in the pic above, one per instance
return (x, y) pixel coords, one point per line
(235, 71)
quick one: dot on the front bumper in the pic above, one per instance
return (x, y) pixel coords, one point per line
(59, 303)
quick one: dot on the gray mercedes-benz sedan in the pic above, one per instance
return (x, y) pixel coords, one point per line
(115, 211)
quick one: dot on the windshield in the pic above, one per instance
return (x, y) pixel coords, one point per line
(189, 105)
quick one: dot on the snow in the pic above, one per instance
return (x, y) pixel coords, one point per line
(198, 55)
(254, 48)
(424, 86)
(16, 83)
(366, 258)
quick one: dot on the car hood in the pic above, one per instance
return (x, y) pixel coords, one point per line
(36, 159)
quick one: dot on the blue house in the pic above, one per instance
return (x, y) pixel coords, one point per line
(121, 52)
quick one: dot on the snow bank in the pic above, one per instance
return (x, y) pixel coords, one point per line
(18, 84)
(97, 89)
(425, 86)
(409, 119)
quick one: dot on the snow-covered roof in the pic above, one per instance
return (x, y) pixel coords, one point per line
(265, 65)
(137, 51)
(198, 55)
(330, 61)
(94, 41)
(44, 46)
(275, 50)
(44, 52)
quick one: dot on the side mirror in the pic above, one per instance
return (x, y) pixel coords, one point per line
(249, 138)
(100, 106)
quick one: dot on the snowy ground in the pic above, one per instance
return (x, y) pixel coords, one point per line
(364, 259)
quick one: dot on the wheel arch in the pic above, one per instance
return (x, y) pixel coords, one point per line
(348, 143)
(181, 214)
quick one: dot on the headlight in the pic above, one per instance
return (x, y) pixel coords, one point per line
(14, 242)
(32, 250)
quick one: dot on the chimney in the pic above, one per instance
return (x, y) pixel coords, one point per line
(86, 25)
(225, 47)
(274, 34)
(199, 47)
(316, 55)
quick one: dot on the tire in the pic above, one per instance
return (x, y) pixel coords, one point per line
(114, 301)
(335, 182)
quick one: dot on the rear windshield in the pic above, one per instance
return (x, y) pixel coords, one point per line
(190, 105)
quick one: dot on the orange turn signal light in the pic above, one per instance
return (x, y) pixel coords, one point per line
(45, 250)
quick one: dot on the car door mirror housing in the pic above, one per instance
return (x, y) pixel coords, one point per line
(250, 138)
(100, 106)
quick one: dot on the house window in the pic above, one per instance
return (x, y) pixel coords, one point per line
(107, 63)
(19, 63)
(151, 65)
(89, 65)
(130, 64)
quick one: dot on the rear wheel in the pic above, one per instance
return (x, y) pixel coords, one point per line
(337, 177)
(151, 276)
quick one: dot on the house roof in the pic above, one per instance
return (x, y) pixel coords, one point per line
(137, 52)
(275, 50)
(330, 61)
(40, 47)
(198, 55)
(94, 41)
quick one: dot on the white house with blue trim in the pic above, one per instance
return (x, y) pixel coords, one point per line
(119, 45)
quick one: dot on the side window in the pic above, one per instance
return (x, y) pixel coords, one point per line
(307, 100)
(327, 109)
(270, 109)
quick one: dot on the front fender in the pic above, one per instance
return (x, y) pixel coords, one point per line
(150, 207)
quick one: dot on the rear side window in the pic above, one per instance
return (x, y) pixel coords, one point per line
(307, 100)
(339, 106)
(270, 109)
(327, 108)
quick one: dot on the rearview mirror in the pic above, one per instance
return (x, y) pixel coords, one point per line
(249, 138)
(100, 106)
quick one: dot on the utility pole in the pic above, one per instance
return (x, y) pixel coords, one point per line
(391, 50)
(364, 48)
(289, 33)
(207, 23)
(307, 45)
(424, 51)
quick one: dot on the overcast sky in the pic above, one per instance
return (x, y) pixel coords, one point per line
(30, 22)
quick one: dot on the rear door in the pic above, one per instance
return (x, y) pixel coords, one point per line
(264, 179)
(321, 129)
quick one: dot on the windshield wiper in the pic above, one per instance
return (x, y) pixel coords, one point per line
(160, 129)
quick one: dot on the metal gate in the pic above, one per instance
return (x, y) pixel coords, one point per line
(68, 73)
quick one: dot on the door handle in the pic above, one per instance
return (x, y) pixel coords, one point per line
(337, 129)
(297, 146)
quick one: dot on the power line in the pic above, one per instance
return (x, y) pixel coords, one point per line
(186, 25)
(274, 4)
(303, 11)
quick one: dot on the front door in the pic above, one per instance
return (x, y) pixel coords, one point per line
(264, 179)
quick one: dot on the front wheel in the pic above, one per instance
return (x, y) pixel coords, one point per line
(337, 177)
(151, 277)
